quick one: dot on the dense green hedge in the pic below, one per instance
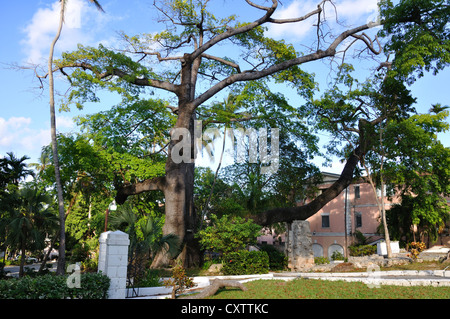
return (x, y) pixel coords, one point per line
(362, 250)
(277, 259)
(246, 262)
(50, 286)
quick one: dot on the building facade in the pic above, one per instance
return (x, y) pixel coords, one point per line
(333, 227)
(355, 209)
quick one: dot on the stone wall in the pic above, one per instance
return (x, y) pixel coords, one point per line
(299, 246)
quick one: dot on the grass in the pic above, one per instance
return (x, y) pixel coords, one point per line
(323, 289)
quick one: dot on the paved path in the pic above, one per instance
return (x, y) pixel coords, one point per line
(14, 270)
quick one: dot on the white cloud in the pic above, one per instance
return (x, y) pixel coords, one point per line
(355, 9)
(294, 10)
(18, 135)
(350, 12)
(82, 23)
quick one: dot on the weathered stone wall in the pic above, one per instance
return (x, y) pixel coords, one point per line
(299, 246)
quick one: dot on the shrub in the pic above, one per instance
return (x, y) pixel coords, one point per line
(179, 281)
(321, 260)
(246, 262)
(93, 286)
(337, 255)
(277, 259)
(228, 234)
(415, 249)
(362, 250)
(151, 278)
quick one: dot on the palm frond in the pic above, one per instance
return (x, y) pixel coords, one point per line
(97, 5)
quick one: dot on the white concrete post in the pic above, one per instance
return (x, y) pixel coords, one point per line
(113, 260)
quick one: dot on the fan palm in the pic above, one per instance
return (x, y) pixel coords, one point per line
(29, 222)
(149, 239)
(145, 240)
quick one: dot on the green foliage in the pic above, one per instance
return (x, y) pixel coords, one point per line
(151, 278)
(224, 199)
(337, 255)
(86, 83)
(362, 250)
(321, 260)
(228, 234)
(179, 281)
(419, 36)
(245, 263)
(93, 286)
(428, 212)
(277, 259)
(146, 238)
(422, 174)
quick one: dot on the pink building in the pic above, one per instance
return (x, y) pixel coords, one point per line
(332, 228)
(354, 209)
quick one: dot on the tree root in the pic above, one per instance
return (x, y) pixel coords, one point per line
(215, 285)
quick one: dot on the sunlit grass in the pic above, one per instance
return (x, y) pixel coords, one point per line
(323, 289)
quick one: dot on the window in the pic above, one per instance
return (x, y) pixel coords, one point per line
(325, 220)
(357, 192)
(358, 218)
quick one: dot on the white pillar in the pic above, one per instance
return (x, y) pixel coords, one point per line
(113, 261)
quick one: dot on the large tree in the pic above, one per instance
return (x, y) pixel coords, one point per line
(186, 61)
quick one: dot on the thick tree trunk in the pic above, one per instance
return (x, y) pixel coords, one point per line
(180, 212)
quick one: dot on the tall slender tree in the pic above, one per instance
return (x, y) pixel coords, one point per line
(62, 233)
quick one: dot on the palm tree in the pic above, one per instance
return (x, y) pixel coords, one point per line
(62, 244)
(44, 161)
(16, 167)
(148, 243)
(29, 222)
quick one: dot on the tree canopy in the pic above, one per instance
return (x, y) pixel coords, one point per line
(186, 66)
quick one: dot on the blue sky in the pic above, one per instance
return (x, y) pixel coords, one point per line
(29, 26)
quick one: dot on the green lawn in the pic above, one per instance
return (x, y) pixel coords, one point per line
(323, 289)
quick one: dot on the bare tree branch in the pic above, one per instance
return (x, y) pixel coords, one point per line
(226, 62)
(254, 75)
(290, 214)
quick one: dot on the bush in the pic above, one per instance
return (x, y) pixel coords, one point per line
(321, 260)
(151, 278)
(415, 249)
(337, 255)
(228, 234)
(362, 250)
(277, 259)
(179, 281)
(93, 286)
(246, 262)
